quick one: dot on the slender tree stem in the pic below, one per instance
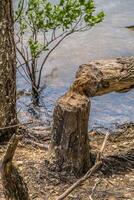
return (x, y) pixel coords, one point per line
(40, 72)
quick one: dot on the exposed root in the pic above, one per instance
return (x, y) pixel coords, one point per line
(13, 184)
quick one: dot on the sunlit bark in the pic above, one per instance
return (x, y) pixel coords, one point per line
(7, 71)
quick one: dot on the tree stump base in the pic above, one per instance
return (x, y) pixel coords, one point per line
(69, 149)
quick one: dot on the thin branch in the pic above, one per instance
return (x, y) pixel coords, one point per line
(22, 47)
(26, 62)
(91, 171)
(104, 143)
(37, 144)
(16, 125)
(28, 24)
(45, 38)
(55, 38)
(24, 77)
(49, 42)
(76, 24)
(28, 68)
(26, 74)
(17, 42)
(21, 9)
(28, 81)
(40, 72)
(19, 110)
(46, 44)
(94, 188)
(53, 34)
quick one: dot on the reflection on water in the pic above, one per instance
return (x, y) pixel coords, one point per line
(107, 40)
(112, 109)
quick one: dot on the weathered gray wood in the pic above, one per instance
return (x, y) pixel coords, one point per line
(13, 184)
(107, 75)
(70, 148)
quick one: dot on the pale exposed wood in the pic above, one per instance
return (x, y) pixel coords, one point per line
(104, 76)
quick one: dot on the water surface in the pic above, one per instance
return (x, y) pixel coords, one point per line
(107, 40)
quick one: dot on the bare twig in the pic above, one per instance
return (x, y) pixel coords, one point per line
(16, 125)
(26, 73)
(51, 41)
(37, 144)
(94, 188)
(91, 171)
(53, 34)
(23, 76)
(40, 72)
(26, 62)
(21, 9)
(100, 153)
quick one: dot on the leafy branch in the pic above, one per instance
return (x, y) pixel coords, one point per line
(44, 25)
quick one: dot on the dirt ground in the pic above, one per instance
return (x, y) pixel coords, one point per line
(114, 181)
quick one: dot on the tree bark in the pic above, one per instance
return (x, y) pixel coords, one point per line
(70, 150)
(7, 71)
(113, 75)
(69, 144)
(13, 184)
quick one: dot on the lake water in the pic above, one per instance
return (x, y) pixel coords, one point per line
(107, 40)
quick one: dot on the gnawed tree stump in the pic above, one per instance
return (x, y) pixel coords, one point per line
(13, 184)
(70, 150)
(69, 144)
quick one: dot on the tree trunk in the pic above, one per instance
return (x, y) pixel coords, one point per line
(70, 150)
(35, 95)
(7, 71)
(13, 184)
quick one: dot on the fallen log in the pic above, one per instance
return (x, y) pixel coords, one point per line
(108, 76)
(69, 143)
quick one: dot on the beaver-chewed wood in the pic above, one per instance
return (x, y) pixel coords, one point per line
(107, 75)
(69, 144)
(70, 148)
(13, 184)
